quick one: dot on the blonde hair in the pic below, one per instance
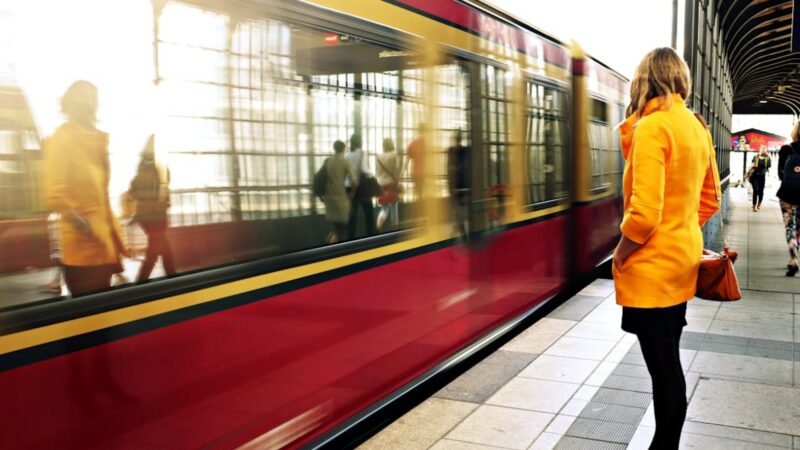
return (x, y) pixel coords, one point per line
(661, 72)
(796, 132)
(80, 99)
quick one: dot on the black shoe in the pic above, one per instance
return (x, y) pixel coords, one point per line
(792, 270)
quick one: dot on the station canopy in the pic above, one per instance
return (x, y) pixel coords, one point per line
(752, 139)
(764, 71)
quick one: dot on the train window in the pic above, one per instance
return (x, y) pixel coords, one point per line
(495, 119)
(545, 141)
(601, 150)
(241, 118)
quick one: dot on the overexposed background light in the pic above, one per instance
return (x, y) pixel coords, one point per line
(617, 32)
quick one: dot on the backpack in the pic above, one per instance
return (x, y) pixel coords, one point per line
(320, 180)
(790, 185)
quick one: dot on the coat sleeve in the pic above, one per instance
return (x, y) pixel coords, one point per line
(783, 156)
(710, 194)
(56, 179)
(649, 153)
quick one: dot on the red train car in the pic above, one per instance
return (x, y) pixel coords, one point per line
(268, 337)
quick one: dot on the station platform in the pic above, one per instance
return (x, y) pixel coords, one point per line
(575, 380)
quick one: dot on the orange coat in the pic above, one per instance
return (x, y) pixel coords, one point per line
(671, 189)
(76, 176)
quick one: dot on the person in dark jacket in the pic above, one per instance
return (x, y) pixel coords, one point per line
(760, 167)
(789, 195)
(150, 189)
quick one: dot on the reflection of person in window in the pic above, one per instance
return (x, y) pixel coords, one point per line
(416, 157)
(76, 176)
(150, 188)
(336, 198)
(458, 177)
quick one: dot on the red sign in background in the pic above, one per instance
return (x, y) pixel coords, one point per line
(753, 140)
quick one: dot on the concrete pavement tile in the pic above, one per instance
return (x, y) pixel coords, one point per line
(743, 367)
(580, 348)
(597, 290)
(718, 347)
(422, 426)
(448, 444)
(692, 378)
(724, 339)
(545, 441)
(649, 419)
(612, 413)
(574, 407)
(770, 353)
(576, 308)
(755, 317)
(556, 368)
(485, 378)
(586, 392)
(701, 442)
(628, 383)
(749, 330)
(503, 427)
(607, 316)
(701, 311)
(592, 330)
(642, 438)
(697, 324)
(538, 337)
(746, 405)
(534, 395)
(560, 424)
(739, 434)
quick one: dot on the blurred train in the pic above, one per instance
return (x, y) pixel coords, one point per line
(268, 337)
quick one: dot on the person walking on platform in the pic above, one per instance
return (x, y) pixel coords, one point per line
(759, 168)
(76, 177)
(150, 189)
(387, 172)
(789, 195)
(670, 189)
(336, 198)
(361, 198)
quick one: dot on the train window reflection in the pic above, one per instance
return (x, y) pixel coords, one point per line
(240, 116)
(601, 149)
(546, 137)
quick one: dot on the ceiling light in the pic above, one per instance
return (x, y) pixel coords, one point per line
(762, 101)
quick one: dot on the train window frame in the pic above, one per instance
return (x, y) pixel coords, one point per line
(596, 124)
(565, 145)
(53, 309)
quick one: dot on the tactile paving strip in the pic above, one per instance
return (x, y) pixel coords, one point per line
(623, 398)
(631, 370)
(628, 383)
(612, 413)
(601, 431)
(573, 443)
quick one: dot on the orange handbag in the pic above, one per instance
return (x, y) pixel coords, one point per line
(716, 279)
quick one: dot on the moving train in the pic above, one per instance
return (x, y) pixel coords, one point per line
(268, 336)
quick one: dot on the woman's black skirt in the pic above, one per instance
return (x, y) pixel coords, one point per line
(654, 322)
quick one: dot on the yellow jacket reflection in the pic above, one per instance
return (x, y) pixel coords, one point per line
(76, 176)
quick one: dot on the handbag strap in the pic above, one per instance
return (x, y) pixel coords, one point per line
(387, 170)
(719, 201)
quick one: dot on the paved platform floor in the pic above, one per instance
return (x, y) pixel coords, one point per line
(575, 380)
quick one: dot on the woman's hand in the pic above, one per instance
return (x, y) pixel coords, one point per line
(624, 250)
(79, 222)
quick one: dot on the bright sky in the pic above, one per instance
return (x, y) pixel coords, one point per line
(617, 32)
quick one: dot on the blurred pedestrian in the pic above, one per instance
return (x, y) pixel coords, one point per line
(789, 195)
(388, 175)
(76, 177)
(758, 177)
(150, 189)
(336, 198)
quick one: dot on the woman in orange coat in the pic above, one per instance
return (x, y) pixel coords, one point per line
(671, 188)
(76, 176)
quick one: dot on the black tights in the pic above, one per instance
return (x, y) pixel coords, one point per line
(758, 188)
(663, 360)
